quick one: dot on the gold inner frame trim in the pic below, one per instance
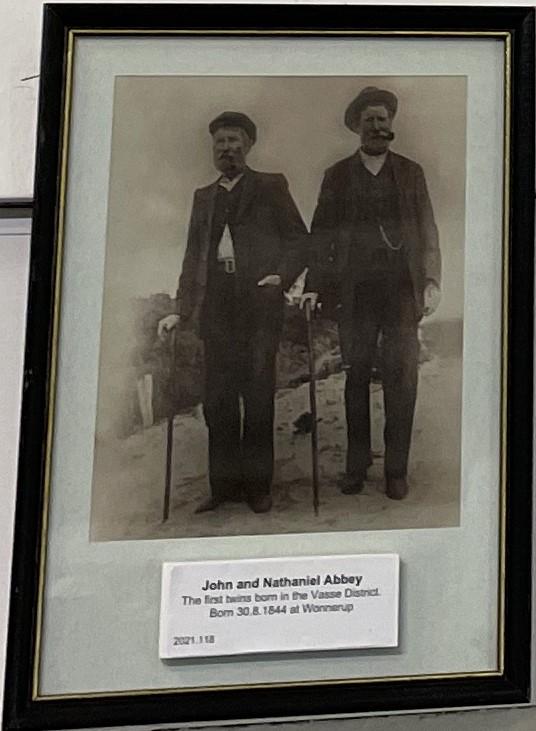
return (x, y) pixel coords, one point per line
(506, 36)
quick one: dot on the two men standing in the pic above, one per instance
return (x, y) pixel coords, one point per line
(373, 253)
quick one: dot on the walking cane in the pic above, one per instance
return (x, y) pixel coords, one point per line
(169, 443)
(312, 399)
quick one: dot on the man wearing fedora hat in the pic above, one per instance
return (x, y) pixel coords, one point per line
(245, 247)
(378, 262)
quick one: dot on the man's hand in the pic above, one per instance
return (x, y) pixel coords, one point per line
(312, 297)
(432, 298)
(272, 280)
(167, 324)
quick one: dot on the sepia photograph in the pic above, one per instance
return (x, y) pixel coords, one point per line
(281, 345)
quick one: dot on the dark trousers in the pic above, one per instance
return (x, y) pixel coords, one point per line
(383, 306)
(239, 395)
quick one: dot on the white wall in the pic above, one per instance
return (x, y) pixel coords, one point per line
(20, 22)
(14, 256)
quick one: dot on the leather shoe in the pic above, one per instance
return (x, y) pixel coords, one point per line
(260, 504)
(397, 488)
(350, 485)
(211, 503)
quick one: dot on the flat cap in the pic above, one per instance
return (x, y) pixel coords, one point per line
(371, 96)
(234, 119)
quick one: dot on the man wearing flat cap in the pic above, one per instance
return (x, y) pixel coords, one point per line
(245, 248)
(378, 264)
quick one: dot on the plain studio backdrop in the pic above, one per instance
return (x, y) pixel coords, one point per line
(161, 152)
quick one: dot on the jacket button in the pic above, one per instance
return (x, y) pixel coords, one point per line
(331, 259)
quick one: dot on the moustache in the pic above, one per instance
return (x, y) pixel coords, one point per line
(389, 136)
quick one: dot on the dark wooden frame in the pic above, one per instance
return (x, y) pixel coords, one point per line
(511, 687)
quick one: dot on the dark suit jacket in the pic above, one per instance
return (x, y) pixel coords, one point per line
(269, 237)
(334, 233)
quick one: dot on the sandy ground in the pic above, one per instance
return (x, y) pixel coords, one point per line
(129, 473)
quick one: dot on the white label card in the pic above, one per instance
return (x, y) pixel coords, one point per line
(279, 605)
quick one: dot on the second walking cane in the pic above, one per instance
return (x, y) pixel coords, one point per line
(171, 416)
(312, 398)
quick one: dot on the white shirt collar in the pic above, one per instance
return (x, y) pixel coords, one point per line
(373, 163)
(229, 184)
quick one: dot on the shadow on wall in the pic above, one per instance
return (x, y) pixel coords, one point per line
(158, 383)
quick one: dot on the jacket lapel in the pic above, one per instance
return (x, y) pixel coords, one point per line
(354, 182)
(402, 182)
(400, 176)
(209, 203)
(248, 192)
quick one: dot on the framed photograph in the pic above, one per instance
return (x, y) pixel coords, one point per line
(276, 442)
